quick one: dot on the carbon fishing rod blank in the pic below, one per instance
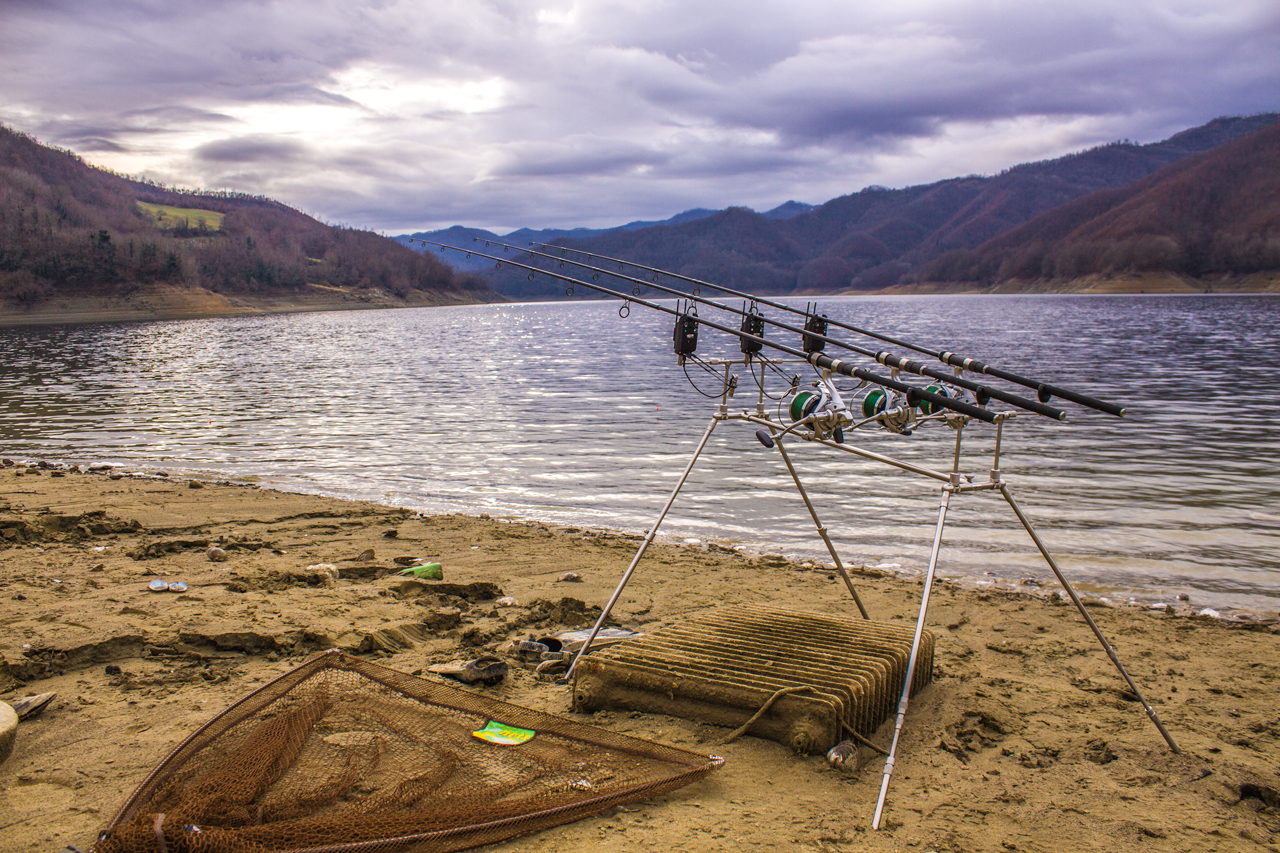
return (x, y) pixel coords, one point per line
(884, 358)
(1044, 391)
(929, 408)
(817, 359)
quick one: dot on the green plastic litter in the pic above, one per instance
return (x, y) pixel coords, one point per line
(427, 571)
(501, 733)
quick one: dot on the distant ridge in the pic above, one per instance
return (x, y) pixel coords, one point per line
(878, 237)
(460, 236)
(788, 209)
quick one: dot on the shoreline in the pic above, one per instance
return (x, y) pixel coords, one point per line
(159, 302)
(1042, 587)
(1045, 587)
(1025, 740)
(165, 302)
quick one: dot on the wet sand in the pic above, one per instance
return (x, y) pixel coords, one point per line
(1026, 740)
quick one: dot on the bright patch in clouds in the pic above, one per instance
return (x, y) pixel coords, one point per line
(303, 120)
(557, 17)
(390, 91)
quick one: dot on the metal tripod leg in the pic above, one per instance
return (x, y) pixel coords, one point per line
(822, 531)
(1097, 632)
(653, 531)
(915, 651)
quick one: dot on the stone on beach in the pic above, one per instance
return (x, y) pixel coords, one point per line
(8, 730)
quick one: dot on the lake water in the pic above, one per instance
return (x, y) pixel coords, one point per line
(567, 413)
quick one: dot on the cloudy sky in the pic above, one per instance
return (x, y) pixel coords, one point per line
(414, 115)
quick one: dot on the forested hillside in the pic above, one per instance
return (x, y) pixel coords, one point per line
(1215, 213)
(67, 229)
(879, 237)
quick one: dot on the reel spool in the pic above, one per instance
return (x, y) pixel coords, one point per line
(889, 409)
(804, 404)
(942, 391)
(830, 420)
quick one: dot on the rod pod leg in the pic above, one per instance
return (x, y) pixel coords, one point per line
(822, 531)
(653, 531)
(915, 651)
(1097, 632)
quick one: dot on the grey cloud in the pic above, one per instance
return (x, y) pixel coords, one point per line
(251, 149)
(175, 114)
(582, 155)
(93, 143)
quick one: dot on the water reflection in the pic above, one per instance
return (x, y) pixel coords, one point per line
(565, 412)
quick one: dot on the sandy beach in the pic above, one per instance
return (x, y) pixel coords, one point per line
(156, 301)
(1027, 739)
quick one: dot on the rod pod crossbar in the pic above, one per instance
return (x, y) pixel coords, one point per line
(1043, 389)
(888, 359)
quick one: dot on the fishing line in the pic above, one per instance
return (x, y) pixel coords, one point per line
(705, 367)
(1044, 391)
(769, 363)
(815, 358)
(813, 336)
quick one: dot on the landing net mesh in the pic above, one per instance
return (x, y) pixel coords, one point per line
(344, 755)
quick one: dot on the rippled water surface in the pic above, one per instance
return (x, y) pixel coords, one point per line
(566, 412)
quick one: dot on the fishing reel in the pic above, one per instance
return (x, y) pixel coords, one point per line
(889, 409)
(820, 409)
(897, 412)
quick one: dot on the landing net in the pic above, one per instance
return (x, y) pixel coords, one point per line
(344, 755)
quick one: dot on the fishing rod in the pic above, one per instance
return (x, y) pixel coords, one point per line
(1044, 391)
(688, 328)
(808, 335)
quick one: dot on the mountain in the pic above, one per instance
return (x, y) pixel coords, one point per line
(879, 237)
(788, 209)
(462, 237)
(687, 216)
(70, 232)
(459, 237)
(1213, 213)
